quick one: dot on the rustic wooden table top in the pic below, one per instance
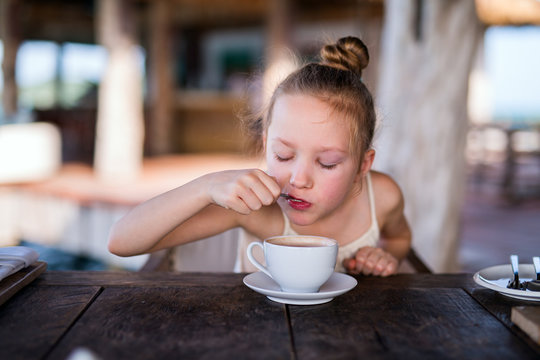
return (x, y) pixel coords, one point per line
(124, 315)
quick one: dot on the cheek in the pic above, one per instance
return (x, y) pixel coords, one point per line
(334, 193)
(335, 187)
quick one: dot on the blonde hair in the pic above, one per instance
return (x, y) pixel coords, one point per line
(337, 80)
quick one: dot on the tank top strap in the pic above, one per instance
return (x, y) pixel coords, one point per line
(371, 201)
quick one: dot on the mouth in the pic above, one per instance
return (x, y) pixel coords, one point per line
(289, 197)
(295, 203)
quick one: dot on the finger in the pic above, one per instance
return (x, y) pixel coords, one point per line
(361, 257)
(250, 199)
(371, 261)
(260, 184)
(391, 268)
(271, 184)
(380, 266)
(265, 196)
(350, 265)
(363, 253)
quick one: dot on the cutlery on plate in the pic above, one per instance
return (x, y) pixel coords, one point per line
(514, 283)
(534, 285)
(536, 262)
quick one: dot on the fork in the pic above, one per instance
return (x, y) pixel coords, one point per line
(514, 283)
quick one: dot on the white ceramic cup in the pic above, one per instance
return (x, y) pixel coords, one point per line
(298, 263)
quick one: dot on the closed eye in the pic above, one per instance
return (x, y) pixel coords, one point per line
(282, 159)
(327, 166)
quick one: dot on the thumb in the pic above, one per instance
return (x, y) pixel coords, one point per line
(349, 264)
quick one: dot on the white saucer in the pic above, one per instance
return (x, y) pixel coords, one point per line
(497, 277)
(337, 284)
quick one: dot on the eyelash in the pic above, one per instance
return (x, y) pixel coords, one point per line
(327, 167)
(324, 166)
(279, 158)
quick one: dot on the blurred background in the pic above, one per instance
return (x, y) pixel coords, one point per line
(106, 103)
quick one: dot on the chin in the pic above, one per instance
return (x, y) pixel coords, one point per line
(300, 218)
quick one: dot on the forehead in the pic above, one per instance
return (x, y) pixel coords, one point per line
(305, 112)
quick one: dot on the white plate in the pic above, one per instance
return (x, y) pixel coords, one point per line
(497, 277)
(337, 284)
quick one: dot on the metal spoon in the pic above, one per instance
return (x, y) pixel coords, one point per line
(288, 197)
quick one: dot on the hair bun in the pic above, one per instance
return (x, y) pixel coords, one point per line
(349, 53)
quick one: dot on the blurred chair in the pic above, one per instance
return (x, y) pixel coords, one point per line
(510, 154)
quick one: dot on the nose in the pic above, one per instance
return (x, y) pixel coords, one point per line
(301, 176)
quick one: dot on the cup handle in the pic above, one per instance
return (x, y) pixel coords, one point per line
(251, 258)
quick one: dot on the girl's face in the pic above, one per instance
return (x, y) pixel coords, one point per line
(307, 151)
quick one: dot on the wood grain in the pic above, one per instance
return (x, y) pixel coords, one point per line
(200, 322)
(500, 306)
(15, 282)
(405, 323)
(138, 279)
(35, 318)
(120, 315)
(152, 279)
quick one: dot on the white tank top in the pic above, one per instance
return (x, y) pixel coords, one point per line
(369, 238)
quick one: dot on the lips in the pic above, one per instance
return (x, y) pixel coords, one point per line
(298, 204)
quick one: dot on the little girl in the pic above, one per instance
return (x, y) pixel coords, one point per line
(316, 134)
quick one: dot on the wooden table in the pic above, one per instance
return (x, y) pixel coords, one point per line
(121, 315)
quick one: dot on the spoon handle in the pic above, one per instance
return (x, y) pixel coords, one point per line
(536, 262)
(515, 263)
(515, 267)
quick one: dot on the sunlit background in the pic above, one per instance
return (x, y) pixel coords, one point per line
(52, 75)
(59, 83)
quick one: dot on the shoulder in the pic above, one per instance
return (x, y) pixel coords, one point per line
(387, 193)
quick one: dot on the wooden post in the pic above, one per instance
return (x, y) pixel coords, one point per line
(422, 95)
(371, 24)
(280, 61)
(161, 78)
(120, 124)
(10, 39)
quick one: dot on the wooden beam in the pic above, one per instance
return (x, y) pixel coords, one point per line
(120, 123)
(57, 20)
(161, 77)
(9, 32)
(279, 61)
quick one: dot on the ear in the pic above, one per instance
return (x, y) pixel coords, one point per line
(366, 164)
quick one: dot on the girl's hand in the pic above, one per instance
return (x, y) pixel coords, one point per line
(371, 261)
(243, 191)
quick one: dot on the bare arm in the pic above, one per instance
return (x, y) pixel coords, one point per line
(395, 240)
(396, 234)
(203, 207)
